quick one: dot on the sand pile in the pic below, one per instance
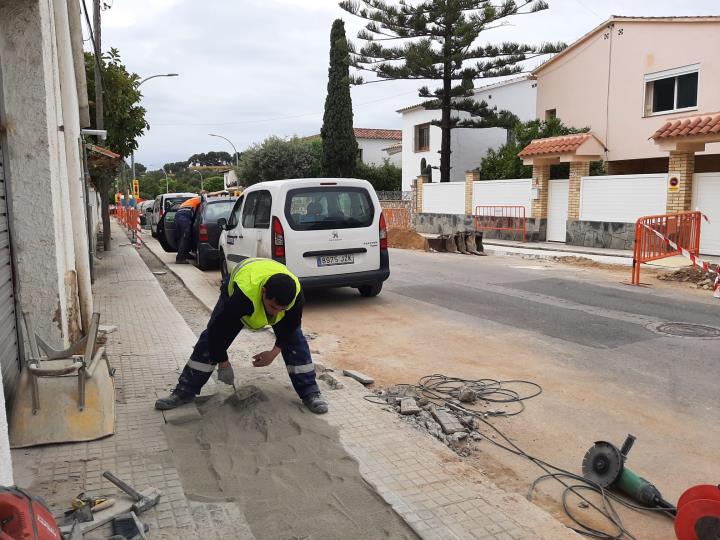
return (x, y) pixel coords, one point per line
(406, 239)
(282, 466)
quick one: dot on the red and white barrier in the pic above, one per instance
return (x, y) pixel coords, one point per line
(138, 233)
(697, 261)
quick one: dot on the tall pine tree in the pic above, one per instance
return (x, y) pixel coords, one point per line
(339, 147)
(437, 40)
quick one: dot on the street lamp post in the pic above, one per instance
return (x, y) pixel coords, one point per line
(231, 144)
(132, 154)
(201, 179)
(167, 183)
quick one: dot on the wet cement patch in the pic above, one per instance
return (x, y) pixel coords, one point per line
(282, 466)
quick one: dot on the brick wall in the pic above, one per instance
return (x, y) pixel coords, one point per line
(541, 178)
(470, 177)
(684, 164)
(577, 171)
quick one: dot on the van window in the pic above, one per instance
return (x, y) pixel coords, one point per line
(172, 201)
(235, 216)
(317, 209)
(217, 210)
(256, 212)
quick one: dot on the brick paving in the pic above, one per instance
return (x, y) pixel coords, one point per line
(437, 494)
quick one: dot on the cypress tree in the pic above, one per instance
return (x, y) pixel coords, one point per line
(339, 147)
(440, 40)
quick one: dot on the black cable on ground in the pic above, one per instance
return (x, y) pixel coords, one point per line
(446, 390)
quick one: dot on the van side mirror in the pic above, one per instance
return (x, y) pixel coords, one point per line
(222, 223)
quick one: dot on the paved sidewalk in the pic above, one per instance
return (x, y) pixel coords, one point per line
(426, 483)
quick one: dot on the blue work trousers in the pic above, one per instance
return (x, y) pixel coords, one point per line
(295, 353)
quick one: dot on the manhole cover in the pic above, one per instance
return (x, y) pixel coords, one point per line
(688, 330)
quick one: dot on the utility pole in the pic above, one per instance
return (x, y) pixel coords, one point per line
(99, 119)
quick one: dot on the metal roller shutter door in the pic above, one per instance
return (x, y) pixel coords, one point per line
(9, 356)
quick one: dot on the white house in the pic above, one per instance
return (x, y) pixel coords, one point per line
(421, 140)
(374, 143)
(44, 250)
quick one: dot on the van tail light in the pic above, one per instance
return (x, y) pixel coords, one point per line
(203, 233)
(383, 232)
(278, 239)
(162, 213)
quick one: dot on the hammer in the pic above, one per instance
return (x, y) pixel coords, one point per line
(142, 502)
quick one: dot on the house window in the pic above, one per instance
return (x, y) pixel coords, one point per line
(550, 114)
(422, 138)
(671, 90)
(359, 156)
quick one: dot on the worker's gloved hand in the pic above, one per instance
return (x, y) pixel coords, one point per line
(226, 374)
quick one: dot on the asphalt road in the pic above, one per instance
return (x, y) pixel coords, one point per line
(590, 341)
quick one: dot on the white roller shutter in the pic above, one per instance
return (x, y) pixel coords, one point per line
(706, 198)
(9, 356)
(622, 199)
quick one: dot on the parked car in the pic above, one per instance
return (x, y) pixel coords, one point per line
(329, 232)
(145, 209)
(163, 203)
(206, 231)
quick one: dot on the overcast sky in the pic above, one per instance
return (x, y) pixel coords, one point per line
(254, 68)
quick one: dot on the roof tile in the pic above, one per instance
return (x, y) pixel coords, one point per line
(365, 133)
(690, 126)
(564, 144)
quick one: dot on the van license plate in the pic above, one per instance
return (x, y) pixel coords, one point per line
(332, 260)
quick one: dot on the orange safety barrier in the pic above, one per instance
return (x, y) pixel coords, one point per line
(397, 218)
(501, 218)
(682, 229)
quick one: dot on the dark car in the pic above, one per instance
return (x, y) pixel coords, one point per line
(205, 233)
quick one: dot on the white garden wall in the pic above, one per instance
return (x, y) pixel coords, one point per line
(444, 198)
(622, 199)
(516, 192)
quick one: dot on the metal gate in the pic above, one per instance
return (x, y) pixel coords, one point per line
(9, 353)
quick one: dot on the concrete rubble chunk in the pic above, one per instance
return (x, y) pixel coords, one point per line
(331, 381)
(447, 421)
(358, 376)
(408, 406)
(467, 395)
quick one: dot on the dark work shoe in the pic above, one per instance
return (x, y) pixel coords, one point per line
(174, 400)
(316, 403)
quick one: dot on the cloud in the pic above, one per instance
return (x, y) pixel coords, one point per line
(253, 68)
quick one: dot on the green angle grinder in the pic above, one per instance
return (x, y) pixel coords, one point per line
(604, 465)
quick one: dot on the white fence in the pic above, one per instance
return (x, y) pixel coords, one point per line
(622, 199)
(516, 192)
(444, 198)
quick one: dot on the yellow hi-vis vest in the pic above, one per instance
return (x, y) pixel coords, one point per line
(250, 277)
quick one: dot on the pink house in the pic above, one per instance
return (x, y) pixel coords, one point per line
(629, 76)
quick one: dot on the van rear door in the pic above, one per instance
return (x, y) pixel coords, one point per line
(333, 229)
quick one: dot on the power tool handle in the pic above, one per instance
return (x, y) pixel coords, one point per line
(122, 485)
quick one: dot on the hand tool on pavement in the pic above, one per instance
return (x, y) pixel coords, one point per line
(142, 502)
(604, 465)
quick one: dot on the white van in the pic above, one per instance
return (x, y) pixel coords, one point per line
(330, 232)
(162, 204)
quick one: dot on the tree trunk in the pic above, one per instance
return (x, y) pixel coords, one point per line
(445, 119)
(105, 209)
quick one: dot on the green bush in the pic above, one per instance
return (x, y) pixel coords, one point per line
(277, 159)
(385, 177)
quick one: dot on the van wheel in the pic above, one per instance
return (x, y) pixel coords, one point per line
(223, 266)
(368, 291)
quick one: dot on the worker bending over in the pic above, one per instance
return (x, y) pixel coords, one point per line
(183, 227)
(258, 293)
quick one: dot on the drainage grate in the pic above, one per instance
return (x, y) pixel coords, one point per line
(688, 330)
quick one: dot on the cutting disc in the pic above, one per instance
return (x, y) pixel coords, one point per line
(698, 520)
(602, 464)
